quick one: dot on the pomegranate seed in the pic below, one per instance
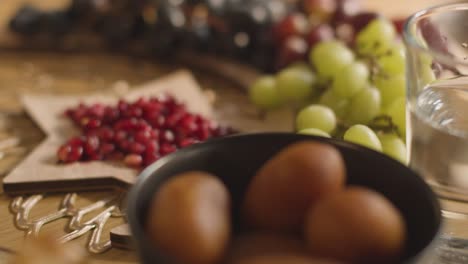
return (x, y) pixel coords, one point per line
(75, 154)
(122, 106)
(120, 136)
(136, 148)
(143, 136)
(75, 142)
(136, 133)
(167, 136)
(188, 125)
(91, 145)
(106, 134)
(116, 155)
(152, 147)
(133, 112)
(107, 148)
(150, 158)
(110, 114)
(97, 111)
(167, 149)
(63, 152)
(69, 153)
(94, 156)
(92, 123)
(133, 160)
(186, 142)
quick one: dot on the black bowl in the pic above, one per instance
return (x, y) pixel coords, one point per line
(235, 160)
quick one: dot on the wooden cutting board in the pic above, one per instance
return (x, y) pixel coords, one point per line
(39, 172)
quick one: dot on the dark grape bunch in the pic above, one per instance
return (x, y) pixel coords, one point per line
(268, 34)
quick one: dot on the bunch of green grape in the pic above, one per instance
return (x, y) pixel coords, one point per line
(353, 93)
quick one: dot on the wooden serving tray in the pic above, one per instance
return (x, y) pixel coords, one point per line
(39, 172)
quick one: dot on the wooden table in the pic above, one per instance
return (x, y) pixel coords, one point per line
(33, 72)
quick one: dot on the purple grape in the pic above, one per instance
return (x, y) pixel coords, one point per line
(27, 21)
(320, 33)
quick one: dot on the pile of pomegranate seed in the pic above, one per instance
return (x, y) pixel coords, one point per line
(137, 133)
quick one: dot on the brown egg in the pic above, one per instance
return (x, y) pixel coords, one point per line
(251, 245)
(189, 218)
(357, 225)
(268, 248)
(289, 183)
(286, 259)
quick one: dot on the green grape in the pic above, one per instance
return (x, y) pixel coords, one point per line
(376, 37)
(392, 63)
(339, 105)
(364, 106)
(300, 65)
(397, 111)
(316, 116)
(391, 88)
(329, 57)
(314, 132)
(394, 147)
(350, 79)
(295, 84)
(264, 94)
(364, 136)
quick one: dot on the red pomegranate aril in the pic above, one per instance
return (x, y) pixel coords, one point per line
(152, 147)
(134, 111)
(167, 136)
(125, 145)
(186, 127)
(136, 133)
(97, 111)
(122, 106)
(70, 153)
(94, 157)
(63, 153)
(174, 118)
(93, 123)
(150, 158)
(120, 136)
(186, 142)
(142, 125)
(152, 108)
(167, 149)
(141, 102)
(116, 155)
(106, 134)
(133, 160)
(143, 136)
(136, 148)
(91, 145)
(76, 142)
(75, 154)
(106, 149)
(110, 114)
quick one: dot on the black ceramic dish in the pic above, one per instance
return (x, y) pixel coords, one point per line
(235, 160)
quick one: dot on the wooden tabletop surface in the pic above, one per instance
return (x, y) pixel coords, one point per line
(45, 73)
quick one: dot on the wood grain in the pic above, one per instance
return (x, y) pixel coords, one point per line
(45, 73)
